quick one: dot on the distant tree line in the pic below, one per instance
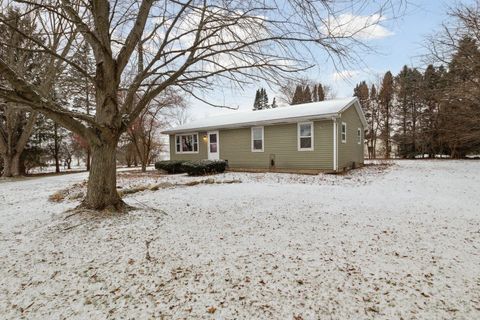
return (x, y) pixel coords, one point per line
(303, 94)
(431, 112)
(261, 101)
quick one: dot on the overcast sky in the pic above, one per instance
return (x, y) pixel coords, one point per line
(397, 42)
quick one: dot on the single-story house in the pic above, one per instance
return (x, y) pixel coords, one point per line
(327, 135)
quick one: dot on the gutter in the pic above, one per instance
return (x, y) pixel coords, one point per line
(335, 143)
(252, 123)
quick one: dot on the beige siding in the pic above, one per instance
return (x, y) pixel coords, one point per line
(351, 150)
(202, 149)
(280, 143)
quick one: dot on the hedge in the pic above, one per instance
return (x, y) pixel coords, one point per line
(193, 168)
(171, 166)
(203, 167)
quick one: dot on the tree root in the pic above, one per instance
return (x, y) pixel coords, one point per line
(119, 207)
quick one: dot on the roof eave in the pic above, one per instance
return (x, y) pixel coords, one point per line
(255, 123)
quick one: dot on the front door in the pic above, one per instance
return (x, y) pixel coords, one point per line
(213, 146)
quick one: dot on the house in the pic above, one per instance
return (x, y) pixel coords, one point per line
(327, 135)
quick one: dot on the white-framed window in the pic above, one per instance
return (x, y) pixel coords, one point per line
(186, 143)
(305, 136)
(344, 132)
(257, 139)
(359, 136)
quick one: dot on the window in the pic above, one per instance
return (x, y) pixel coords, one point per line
(359, 136)
(187, 143)
(212, 138)
(305, 136)
(344, 132)
(257, 139)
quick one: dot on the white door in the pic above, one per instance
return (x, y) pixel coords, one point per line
(213, 145)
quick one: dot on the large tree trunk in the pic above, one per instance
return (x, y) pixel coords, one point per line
(11, 165)
(102, 182)
(56, 148)
(88, 160)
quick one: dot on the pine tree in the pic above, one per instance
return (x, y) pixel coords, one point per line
(297, 96)
(431, 96)
(264, 99)
(320, 92)
(460, 112)
(386, 100)
(373, 122)
(315, 93)
(256, 103)
(307, 95)
(274, 103)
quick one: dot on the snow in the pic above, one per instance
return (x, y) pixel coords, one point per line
(384, 242)
(315, 110)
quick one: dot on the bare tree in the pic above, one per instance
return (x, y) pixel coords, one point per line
(189, 46)
(16, 123)
(144, 131)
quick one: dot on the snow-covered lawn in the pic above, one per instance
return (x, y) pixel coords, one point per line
(401, 242)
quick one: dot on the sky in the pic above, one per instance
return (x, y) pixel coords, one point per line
(396, 42)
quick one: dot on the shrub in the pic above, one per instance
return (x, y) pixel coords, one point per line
(203, 167)
(171, 166)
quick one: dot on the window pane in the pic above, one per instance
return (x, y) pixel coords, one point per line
(257, 145)
(305, 143)
(213, 147)
(305, 130)
(257, 133)
(213, 138)
(187, 143)
(178, 147)
(344, 128)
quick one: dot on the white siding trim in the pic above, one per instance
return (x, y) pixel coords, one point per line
(344, 124)
(335, 145)
(187, 134)
(263, 139)
(311, 137)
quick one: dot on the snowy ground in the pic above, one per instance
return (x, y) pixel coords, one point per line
(401, 242)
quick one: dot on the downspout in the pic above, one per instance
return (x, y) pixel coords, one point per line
(335, 144)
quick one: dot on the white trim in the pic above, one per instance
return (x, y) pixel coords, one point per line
(359, 136)
(263, 139)
(187, 134)
(335, 146)
(274, 120)
(216, 154)
(311, 136)
(341, 132)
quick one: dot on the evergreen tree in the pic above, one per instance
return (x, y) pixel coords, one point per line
(386, 97)
(297, 96)
(261, 100)
(264, 99)
(256, 103)
(460, 112)
(315, 93)
(307, 95)
(274, 103)
(432, 89)
(320, 92)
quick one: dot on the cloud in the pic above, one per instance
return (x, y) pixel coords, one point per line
(358, 27)
(345, 75)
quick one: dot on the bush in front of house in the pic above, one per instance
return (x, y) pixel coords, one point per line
(171, 166)
(203, 167)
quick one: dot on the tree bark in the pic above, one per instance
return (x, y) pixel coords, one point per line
(11, 165)
(88, 159)
(102, 182)
(56, 148)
